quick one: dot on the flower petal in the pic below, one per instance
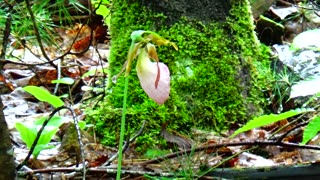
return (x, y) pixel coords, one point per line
(154, 78)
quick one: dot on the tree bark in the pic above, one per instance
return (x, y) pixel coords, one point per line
(7, 166)
(214, 77)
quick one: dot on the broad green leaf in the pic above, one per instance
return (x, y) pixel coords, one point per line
(308, 39)
(39, 148)
(51, 128)
(55, 121)
(27, 134)
(269, 119)
(65, 80)
(47, 135)
(311, 130)
(43, 95)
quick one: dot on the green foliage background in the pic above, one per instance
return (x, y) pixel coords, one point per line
(215, 80)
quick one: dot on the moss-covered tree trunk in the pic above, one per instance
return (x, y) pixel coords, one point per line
(213, 73)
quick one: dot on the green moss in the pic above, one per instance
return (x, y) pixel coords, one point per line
(214, 74)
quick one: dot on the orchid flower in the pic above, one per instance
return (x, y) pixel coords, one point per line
(154, 76)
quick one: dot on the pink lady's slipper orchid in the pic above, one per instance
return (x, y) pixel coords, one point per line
(154, 76)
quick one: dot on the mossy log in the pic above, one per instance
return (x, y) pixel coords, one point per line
(214, 78)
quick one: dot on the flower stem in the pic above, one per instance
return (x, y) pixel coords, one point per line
(122, 129)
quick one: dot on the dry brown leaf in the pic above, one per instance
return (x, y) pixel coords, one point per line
(44, 76)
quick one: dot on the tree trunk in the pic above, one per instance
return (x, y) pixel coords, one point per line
(213, 75)
(7, 166)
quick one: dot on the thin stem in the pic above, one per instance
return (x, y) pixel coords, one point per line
(122, 129)
(78, 131)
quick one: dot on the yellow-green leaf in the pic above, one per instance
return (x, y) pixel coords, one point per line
(269, 119)
(311, 130)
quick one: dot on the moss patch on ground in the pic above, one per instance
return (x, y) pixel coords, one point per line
(215, 81)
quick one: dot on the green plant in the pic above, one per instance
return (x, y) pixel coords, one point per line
(311, 130)
(269, 119)
(28, 133)
(47, 16)
(283, 81)
(44, 95)
(65, 80)
(154, 77)
(103, 9)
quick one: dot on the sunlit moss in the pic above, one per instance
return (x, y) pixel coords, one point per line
(214, 79)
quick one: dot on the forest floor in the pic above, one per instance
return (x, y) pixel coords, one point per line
(275, 145)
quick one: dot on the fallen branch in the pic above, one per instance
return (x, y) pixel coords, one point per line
(96, 170)
(213, 146)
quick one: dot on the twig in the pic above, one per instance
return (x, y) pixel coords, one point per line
(95, 170)
(75, 119)
(126, 145)
(5, 61)
(36, 30)
(290, 130)
(252, 143)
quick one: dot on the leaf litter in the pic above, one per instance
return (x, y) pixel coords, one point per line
(194, 156)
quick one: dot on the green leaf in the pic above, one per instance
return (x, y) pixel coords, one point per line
(82, 124)
(43, 95)
(39, 148)
(51, 128)
(47, 134)
(311, 130)
(65, 80)
(55, 121)
(103, 10)
(27, 133)
(94, 71)
(269, 119)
